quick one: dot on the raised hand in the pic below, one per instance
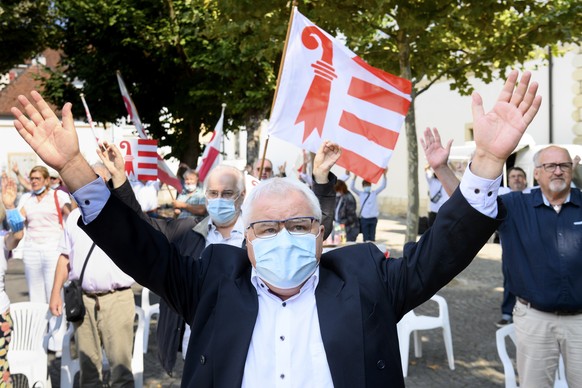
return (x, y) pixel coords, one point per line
(113, 160)
(15, 168)
(54, 142)
(498, 131)
(327, 155)
(39, 126)
(8, 191)
(437, 156)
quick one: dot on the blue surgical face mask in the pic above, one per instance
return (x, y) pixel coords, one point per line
(285, 261)
(39, 191)
(221, 210)
(367, 189)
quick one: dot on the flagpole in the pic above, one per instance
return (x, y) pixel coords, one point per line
(89, 119)
(278, 80)
(170, 191)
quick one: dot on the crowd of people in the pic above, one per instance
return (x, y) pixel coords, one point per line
(243, 280)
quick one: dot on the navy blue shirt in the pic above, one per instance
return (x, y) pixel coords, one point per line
(543, 250)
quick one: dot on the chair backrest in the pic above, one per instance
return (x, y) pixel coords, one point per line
(30, 326)
(509, 371)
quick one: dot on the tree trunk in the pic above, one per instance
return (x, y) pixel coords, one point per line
(253, 142)
(192, 151)
(412, 143)
(413, 201)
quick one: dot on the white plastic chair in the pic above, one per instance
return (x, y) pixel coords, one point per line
(509, 371)
(27, 354)
(412, 323)
(149, 310)
(70, 366)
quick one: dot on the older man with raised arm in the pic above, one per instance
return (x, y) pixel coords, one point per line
(283, 312)
(541, 237)
(224, 190)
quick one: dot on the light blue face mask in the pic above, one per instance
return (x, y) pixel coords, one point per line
(190, 188)
(221, 210)
(39, 191)
(367, 189)
(285, 261)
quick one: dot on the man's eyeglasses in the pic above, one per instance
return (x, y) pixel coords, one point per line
(226, 194)
(265, 169)
(551, 167)
(294, 226)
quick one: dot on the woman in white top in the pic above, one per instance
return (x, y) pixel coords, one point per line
(44, 210)
(9, 241)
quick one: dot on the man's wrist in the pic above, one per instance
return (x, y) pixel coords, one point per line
(321, 177)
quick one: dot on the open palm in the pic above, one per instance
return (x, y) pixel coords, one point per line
(55, 143)
(498, 132)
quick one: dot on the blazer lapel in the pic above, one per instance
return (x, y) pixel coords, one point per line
(340, 321)
(235, 321)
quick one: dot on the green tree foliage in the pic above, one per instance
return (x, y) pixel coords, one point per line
(24, 28)
(431, 40)
(188, 56)
(174, 59)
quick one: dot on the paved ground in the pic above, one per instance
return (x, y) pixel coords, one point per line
(473, 299)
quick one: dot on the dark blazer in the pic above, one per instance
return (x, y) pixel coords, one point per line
(190, 239)
(360, 296)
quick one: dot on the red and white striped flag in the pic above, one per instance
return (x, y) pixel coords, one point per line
(327, 92)
(212, 151)
(130, 106)
(140, 158)
(164, 173)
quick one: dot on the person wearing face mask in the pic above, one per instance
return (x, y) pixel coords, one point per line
(224, 194)
(191, 202)
(369, 211)
(44, 211)
(281, 312)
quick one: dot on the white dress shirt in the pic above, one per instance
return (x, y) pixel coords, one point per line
(101, 274)
(286, 348)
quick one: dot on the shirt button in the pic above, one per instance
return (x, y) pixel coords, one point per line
(87, 202)
(282, 376)
(202, 360)
(381, 364)
(284, 304)
(282, 338)
(477, 191)
(489, 194)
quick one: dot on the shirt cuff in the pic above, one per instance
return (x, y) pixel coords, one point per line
(91, 198)
(481, 193)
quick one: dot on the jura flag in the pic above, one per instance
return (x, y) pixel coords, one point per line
(327, 92)
(164, 173)
(141, 158)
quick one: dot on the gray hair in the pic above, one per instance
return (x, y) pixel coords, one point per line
(225, 169)
(537, 155)
(282, 187)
